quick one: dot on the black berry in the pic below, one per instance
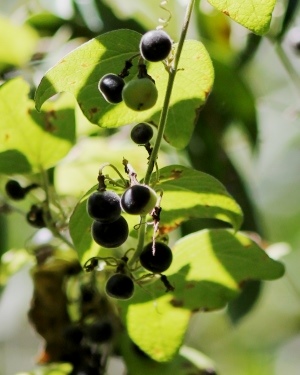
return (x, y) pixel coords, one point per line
(100, 331)
(141, 133)
(73, 334)
(140, 94)
(104, 206)
(138, 200)
(120, 286)
(156, 261)
(155, 45)
(15, 191)
(35, 217)
(111, 86)
(110, 234)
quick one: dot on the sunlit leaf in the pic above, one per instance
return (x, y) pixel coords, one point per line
(190, 194)
(208, 270)
(210, 266)
(79, 73)
(150, 319)
(254, 14)
(17, 43)
(31, 141)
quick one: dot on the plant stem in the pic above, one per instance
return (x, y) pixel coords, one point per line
(162, 123)
(165, 109)
(287, 65)
(140, 244)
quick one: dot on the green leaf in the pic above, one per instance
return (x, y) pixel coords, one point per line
(190, 194)
(17, 43)
(137, 362)
(210, 266)
(255, 15)
(208, 270)
(79, 73)
(31, 141)
(150, 320)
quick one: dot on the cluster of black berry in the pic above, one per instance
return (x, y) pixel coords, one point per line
(140, 93)
(35, 216)
(84, 340)
(109, 228)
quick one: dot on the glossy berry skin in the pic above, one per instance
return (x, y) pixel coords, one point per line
(141, 133)
(104, 206)
(155, 45)
(35, 217)
(140, 94)
(138, 200)
(111, 86)
(100, 331)
(14, 190)
(120, 286)
(158, 262)
(110, 234)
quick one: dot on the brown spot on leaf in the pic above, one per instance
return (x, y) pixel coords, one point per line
(163, 229)
(176, 173)
(49, 118)
(94, 110)
(6, 137)
(226, 12)
(190, 285)
(176, 302)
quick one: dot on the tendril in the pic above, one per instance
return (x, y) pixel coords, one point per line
(164, 21)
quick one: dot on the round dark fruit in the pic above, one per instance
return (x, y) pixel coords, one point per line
(100, 331)
(14, 190)
(141, 133)
(111, 86)
(140, 94)
(35, 217)
(156, 261)
(138, 200)
(104, 206)
(120, 286)
(155, 45)
(73, 334)
(110, 234)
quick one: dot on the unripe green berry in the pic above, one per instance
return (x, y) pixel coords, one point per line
(140, 94)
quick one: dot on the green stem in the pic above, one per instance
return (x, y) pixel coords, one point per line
(287, 65)
(162, 125)
(165, 109)
(49, 221)
(114, 168)
(140, 244)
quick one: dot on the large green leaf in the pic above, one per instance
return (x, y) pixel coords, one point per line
(31, 141)
(79, 73)
(210, 266)
(254, 14)
(150, 323)
(188, 362)
(208, 270)
(17, 43)
(190, 194)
